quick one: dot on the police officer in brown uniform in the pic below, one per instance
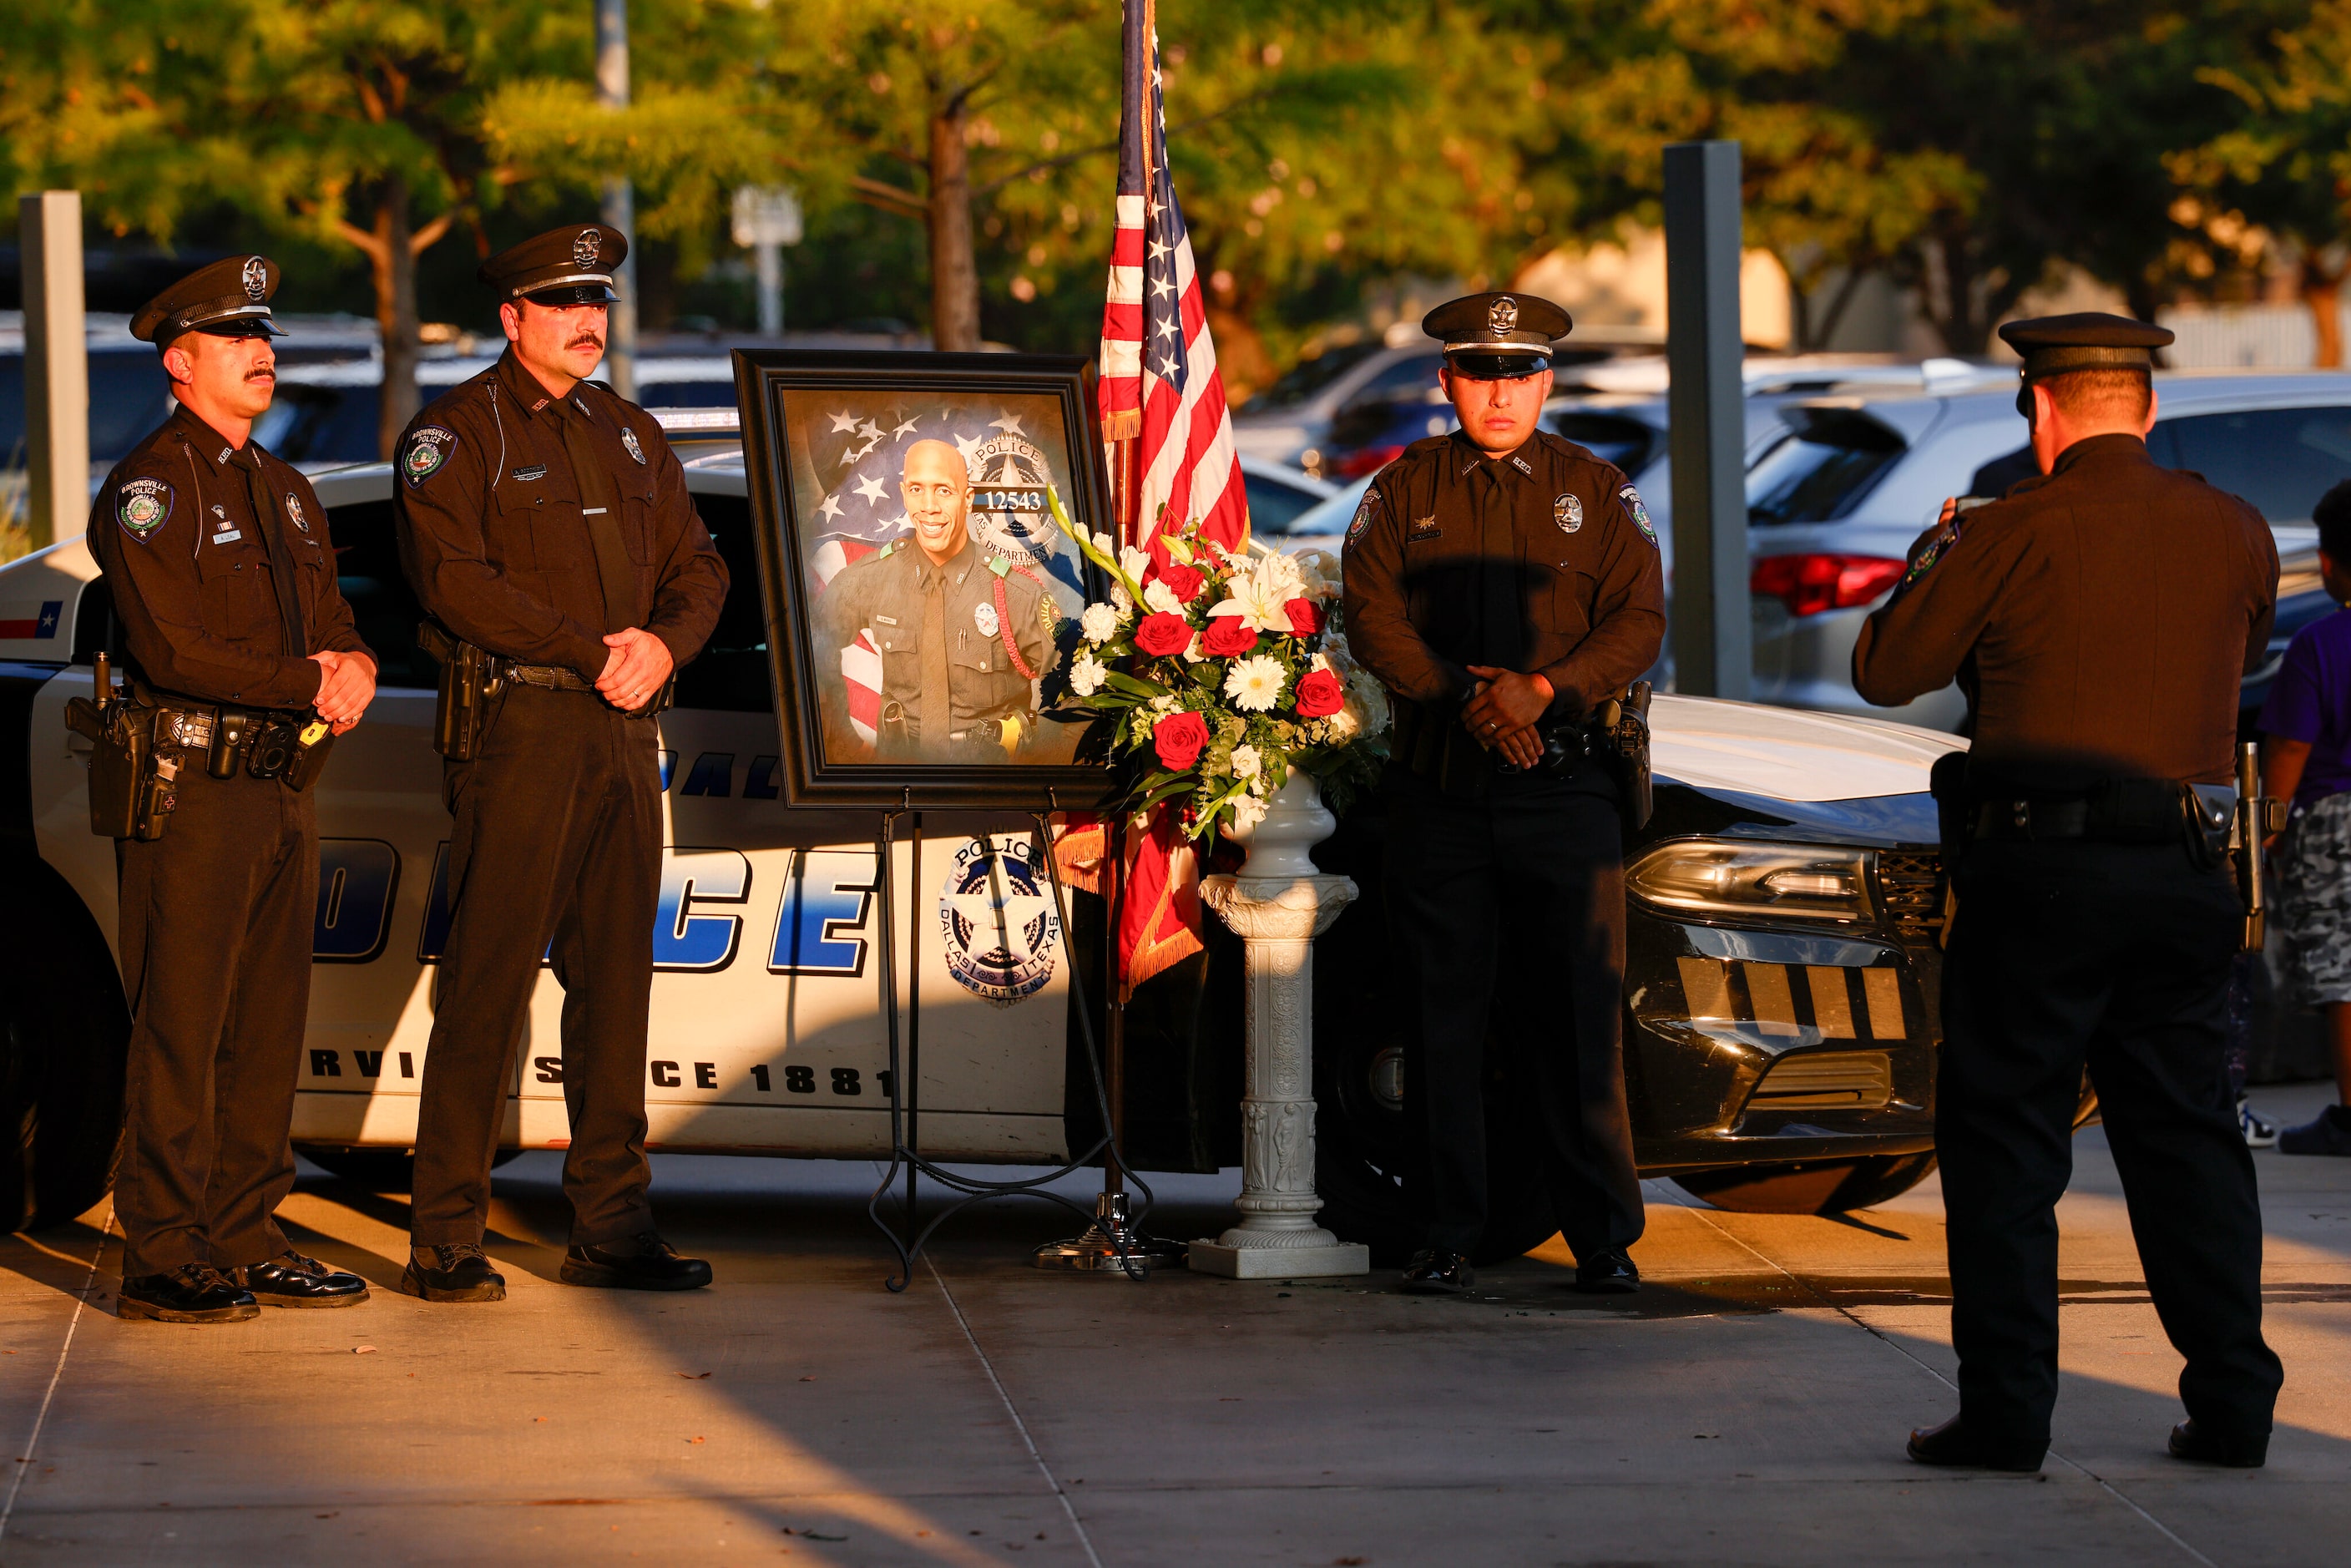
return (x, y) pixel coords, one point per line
(963, 633)
(546, 521)
(1502, 583)
(240, 646)
(2099, 618)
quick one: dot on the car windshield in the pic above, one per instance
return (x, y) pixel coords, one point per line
(1820, 470)
(1273, 505)
(2281, 459)
(1309, 376)
(1616, 438)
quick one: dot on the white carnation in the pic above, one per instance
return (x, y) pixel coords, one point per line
(1099, 623)
(1119, 600)
(1160, 597)
(1248, 812)
(1086, 672)
(1165, 704)
(1254, 683)
(1246, 762)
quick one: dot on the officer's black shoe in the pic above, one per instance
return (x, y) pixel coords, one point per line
(1953, 1445)
(646, 1263)
(1609, 1273)
(2189, 1441)
(458, 1271)
(290, 1279)
(2329, 1134)
(191, 1293)
(1437, 1273)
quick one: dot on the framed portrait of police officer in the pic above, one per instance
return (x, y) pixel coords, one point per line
(922, 603)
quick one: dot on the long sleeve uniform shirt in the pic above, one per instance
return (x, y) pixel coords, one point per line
(2099, 618)
(188, 556)
(1544, 562)
(493, 535)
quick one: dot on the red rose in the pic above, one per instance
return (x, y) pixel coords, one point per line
(1163, 634)
(1184, 581)
(1227, 637)
(1319, 695)
(1179, 739)
(1304, 619)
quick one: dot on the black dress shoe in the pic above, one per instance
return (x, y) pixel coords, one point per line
(646, 1263)
(1437, 1273)
(457, 1271)
(1953, 1445)
(191, 1293)
(1609, 1273)
(290, 1279)
(2189, 1441)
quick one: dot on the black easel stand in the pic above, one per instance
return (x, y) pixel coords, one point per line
(904, 1080)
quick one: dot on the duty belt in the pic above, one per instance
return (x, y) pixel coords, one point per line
(547, 677)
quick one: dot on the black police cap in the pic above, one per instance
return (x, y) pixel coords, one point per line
(2085, 340)
(570, 265)
(1495, 336)
(230, 298)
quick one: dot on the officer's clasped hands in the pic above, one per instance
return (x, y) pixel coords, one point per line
(640, 662)
(347, 689)
(1502, 711)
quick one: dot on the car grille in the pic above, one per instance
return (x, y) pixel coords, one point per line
(1910, 888)
(1826, 1080)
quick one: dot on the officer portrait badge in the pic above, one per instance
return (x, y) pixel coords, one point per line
(256, 277)
(143, 507)
(294, 510)
(1502, 316)
(1639, 513)
(586, 247)
(983, 615)
(629, 440)
(1363, 515)
(1567, 511)
(428, 449)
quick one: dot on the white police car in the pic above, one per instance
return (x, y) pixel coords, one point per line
(1779, 1022)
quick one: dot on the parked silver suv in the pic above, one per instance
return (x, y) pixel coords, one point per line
(1835, 499)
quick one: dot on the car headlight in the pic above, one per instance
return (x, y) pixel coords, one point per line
(1730, 877)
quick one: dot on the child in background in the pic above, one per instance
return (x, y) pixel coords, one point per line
(2306, 724)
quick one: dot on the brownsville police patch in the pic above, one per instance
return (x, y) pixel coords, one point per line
(143, 507)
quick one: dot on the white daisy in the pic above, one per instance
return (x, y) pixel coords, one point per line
(1246, 762)
(1086, 673)
(1254, 683)
(1099, 623)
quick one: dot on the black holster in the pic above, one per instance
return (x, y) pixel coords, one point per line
(132, 789)
(1618, 737)
(469, 679)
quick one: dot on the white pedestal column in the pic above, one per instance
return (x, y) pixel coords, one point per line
(1277, 916)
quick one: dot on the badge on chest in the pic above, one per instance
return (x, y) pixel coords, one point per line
(1567, 511)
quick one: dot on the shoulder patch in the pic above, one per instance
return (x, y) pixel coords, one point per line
(1934, 551)
(142, 505)
(1640, 514)
(428, 449)
(1365, 514)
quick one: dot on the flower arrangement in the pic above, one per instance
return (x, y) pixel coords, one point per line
(1220, 673)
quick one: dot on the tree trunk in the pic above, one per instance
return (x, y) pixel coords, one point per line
(954, 273)
(2321, 294)
(394, 260)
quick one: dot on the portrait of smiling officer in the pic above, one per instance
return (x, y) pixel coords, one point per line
(962, 632)
(545, 525)
(1503, 583)
(243, 663)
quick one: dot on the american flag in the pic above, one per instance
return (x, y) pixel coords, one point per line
(1159, 389)
(1159, 379)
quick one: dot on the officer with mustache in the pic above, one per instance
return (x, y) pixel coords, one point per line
(545, 527)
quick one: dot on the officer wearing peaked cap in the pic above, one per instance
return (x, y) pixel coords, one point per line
(1503, 583)
(545, 525)
(2099, 618)
(243, 662)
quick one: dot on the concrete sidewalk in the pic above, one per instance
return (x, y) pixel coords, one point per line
(1749, 1407)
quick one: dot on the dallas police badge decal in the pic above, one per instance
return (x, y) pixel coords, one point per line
(256, 277)
(294, 510)
(629, 440)
(587, 247)
(143, 507)
(983, 615)
(997, 917)
(1639, 513)
(1502, 316)
(1567, 511)
(427, 450)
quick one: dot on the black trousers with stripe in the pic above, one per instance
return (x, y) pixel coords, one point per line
(2113, 956)
(1512, 906)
